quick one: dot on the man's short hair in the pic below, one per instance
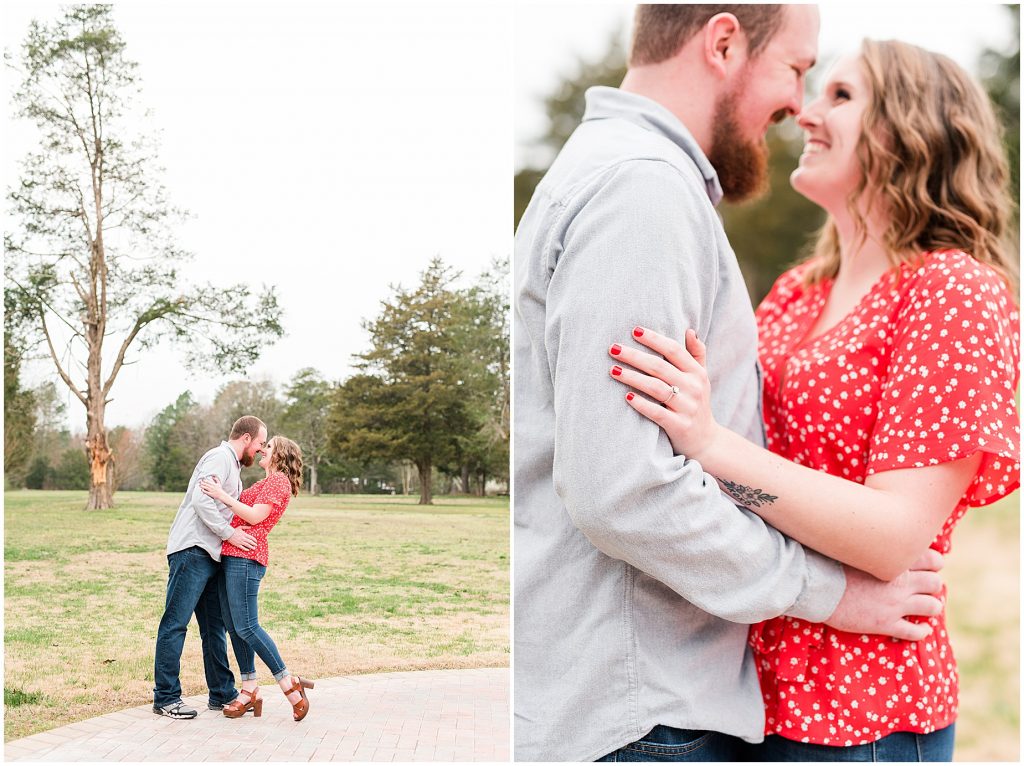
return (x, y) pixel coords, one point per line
(660, 31)
(247, 424)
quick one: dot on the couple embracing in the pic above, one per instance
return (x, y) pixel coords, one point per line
(217, 555)
(683, 593)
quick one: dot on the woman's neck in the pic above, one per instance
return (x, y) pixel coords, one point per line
(863, 256)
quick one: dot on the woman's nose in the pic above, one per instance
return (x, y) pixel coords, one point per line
(808, 117)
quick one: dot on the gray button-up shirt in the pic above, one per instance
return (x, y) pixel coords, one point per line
(201, 520)
(635, 577)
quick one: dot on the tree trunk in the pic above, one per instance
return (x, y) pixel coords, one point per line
(101, 492)
(313, 488)
(465, 480)
(406, 477)
(424, 470)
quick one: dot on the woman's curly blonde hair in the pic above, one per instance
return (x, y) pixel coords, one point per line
(932, 158)
(286, 457)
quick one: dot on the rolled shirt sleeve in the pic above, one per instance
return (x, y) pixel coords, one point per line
(653, 262)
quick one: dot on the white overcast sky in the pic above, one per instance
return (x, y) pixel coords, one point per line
(326, 148)
(551, 36)
(333, 148)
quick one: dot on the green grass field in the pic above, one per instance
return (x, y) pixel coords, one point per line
(356, 584)
(368, 583)
(983, 576)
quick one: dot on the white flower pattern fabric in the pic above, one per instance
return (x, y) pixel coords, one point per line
(921, 372)
(275, 491)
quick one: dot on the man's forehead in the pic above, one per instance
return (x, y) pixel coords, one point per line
(798, 37)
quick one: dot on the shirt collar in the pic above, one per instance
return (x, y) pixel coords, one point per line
(231, 450)
(612, 103)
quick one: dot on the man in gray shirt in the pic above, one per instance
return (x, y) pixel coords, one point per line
(200, 527)
(635, 577)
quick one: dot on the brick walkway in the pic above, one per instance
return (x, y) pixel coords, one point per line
(428, 715)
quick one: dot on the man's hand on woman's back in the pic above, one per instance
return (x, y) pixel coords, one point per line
(870, 605)
(242, 539)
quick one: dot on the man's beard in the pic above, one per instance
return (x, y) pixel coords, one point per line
(742, 165)
(247, 459)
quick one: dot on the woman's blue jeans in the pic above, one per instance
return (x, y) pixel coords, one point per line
(902, 746)
(239, 589)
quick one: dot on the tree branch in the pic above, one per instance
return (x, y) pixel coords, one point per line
(45, 303)
(53, 355)
(119, 361)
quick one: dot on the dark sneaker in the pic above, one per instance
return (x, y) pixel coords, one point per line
(176, 710)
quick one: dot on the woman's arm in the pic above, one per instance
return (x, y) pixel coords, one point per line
(250, 514)
(880, 527)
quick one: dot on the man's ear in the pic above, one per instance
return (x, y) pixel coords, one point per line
(723, 42)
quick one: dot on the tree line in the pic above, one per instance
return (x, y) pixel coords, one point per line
(430, 401)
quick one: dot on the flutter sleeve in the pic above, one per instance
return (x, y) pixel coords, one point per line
(276, 493)
(949, 392)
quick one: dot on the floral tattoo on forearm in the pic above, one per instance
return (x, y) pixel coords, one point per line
(746, 496)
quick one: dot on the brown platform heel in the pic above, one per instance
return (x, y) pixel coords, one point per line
(238, 708)
(300, 708)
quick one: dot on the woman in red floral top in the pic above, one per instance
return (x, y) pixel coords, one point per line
(258, 509)
(890, 363)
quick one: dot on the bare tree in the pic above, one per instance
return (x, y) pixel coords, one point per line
(92, 261)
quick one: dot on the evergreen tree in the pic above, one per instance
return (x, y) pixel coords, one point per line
(308, 400)
(169, 445)
(19, 406)
(410, 401)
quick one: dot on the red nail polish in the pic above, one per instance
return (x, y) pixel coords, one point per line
(638, 332)
(616, 348)
(629, 396)
(616, 370)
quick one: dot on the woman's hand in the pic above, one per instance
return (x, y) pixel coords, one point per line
(678, 387)
(211, 486)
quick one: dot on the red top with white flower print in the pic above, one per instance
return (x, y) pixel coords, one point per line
(922, 371)
(275, 491)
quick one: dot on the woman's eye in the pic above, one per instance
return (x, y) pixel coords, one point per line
(842, 94)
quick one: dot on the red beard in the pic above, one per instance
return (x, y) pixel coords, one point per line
(742, 165)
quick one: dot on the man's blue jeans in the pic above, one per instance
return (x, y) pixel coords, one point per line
(192, 587)
(664, 743)
(903, 747)
(239, 589)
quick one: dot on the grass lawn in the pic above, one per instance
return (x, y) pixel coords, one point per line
(356, 584)
(368, 583)
(983, 575)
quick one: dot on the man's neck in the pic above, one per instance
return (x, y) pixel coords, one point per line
(683, 96)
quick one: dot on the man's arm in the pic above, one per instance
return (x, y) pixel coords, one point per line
(642, 245)
(207, 509)
(218, 464)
